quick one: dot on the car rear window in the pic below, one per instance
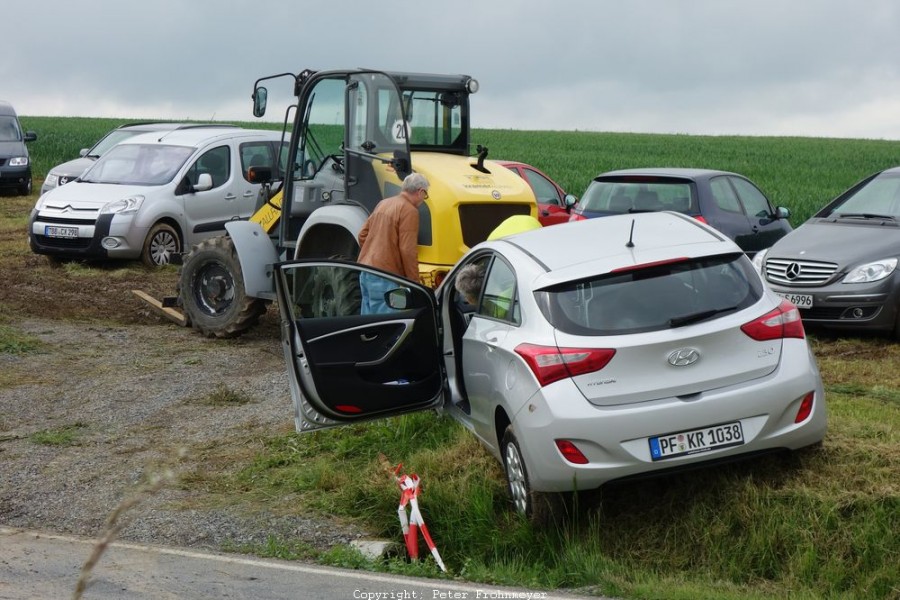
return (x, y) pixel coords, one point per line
(651, 298)
(618, 196)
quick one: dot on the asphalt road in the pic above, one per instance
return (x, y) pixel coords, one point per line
(37, 565)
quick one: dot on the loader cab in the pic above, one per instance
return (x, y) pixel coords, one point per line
(355, 133)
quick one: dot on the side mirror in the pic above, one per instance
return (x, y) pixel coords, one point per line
(259, 174)
(398, 298)
(260, 98)
(30, 136)
(782, 213)
(204, 182)
(570, 201)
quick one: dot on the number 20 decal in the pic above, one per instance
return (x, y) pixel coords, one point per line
(400, 130)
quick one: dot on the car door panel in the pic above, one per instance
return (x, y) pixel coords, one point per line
(726, 213)
(347, 367)
(207, 211)
(485, 365)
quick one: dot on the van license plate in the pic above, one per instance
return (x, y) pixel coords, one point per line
(60, 232)
(696, 441)
(798, 300)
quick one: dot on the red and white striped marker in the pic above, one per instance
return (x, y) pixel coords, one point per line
(409, 491)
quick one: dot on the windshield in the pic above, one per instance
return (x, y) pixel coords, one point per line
(110, 140)
(649, 299)
(879, 197)
(9, 130)
(622, 196)
(138, 164)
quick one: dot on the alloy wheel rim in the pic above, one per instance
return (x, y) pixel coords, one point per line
(162, 247)
(515, 474)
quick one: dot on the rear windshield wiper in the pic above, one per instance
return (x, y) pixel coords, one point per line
(864, 216)
(698, 316)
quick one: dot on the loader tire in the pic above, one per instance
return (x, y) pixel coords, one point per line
(211, 291)
(335, 292)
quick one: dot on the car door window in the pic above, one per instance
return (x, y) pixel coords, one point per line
(544, 190)
(216, 162)
(499, 296)
(724, 195)
(256, 154)
(755, 203)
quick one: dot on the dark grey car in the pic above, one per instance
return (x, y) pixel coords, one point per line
(15, 163)
(727, 201)
(840, 267)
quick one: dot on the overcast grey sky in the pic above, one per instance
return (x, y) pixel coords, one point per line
(823, 68)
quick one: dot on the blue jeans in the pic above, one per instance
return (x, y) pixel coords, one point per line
(373, 289)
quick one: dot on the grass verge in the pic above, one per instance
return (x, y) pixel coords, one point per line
(818, 523)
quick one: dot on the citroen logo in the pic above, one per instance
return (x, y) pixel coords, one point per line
(793, 271)
(683, 357)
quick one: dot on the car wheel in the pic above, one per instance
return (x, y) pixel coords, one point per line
(335, 292)
(211, 290)
(161, 244)
(25, 188)
(518, 486)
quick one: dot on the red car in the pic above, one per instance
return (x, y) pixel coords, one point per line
(554, 203)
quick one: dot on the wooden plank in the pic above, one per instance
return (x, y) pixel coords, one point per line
(172, 314)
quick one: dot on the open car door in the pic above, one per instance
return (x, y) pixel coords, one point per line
(346, 365)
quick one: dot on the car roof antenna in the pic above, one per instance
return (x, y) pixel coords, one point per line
(630, 243)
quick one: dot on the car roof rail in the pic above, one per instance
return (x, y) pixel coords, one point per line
(211, 125)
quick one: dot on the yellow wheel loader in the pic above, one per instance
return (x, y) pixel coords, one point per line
(355, 134)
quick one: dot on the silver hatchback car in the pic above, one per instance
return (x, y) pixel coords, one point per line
(595, 351)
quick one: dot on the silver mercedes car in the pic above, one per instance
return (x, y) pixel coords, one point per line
(590, 352)
(840, 266)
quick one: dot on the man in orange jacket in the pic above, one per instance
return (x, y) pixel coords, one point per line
(388, 240)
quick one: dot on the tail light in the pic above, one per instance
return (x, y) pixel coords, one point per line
(439, 277)
(806, 406)
(783, 322)
(549, 363)
(433, 279)
(571, 452)
(701, 218)
(577, 217)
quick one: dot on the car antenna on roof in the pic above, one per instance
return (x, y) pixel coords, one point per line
(630, 243)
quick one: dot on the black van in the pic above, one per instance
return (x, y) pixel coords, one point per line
(15, 166)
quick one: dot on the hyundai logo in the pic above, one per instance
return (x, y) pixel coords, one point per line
(793, 271)
(683, 357)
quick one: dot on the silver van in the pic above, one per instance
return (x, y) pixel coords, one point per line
(154, 195)
(15, 164)
(70, 170)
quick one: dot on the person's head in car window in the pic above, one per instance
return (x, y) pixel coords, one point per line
(468, 282)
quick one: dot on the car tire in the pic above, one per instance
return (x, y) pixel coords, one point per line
(540, 508)
(161, 244)
(335, 292)
(517, 483)
(25, 189)
(211, 290)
